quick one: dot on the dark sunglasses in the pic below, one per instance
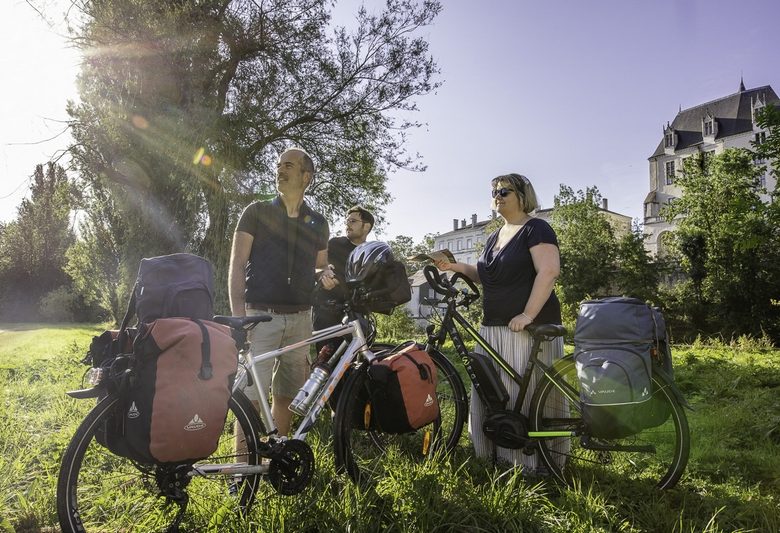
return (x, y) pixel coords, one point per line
(503, 192)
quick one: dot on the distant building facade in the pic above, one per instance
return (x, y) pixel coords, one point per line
(729, 122)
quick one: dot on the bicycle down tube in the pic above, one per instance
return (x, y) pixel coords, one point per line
(522, 380)
(357, 345)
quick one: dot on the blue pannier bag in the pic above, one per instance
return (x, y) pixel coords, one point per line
(617, 344)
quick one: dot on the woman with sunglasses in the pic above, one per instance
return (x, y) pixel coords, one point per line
(517, 270)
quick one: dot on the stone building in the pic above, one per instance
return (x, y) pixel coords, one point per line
(710, 128)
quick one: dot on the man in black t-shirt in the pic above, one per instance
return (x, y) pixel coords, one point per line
(327, 311)
(279, 251)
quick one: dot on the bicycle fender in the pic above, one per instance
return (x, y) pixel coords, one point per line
(83, 394)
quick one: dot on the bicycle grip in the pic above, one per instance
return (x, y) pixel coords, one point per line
(434, 280)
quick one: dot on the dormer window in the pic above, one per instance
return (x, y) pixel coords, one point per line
(760, 138)
(756, 106)
(709, 127)
(670, 139)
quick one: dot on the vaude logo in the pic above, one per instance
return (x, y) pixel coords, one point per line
(133, 411)
(428, 401)
(644, 392)
(195, 424)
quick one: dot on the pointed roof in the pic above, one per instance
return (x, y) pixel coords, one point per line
(741, 85)
(734, 115)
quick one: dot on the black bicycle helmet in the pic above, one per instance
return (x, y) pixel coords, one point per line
(366, 260)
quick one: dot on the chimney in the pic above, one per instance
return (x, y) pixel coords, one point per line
(604, 204)
(454, 224)
(463, 223)
(473, 220)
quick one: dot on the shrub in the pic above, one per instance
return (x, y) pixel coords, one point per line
(59, 305)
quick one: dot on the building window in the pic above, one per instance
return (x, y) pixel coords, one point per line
(441, 246)
(460, 244)
(706, 158)
(669, 172)
(707, 127)
(468, 244)
(760, 137)
(668, 140)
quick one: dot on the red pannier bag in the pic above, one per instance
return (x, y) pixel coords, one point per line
(402, 391)
(176, 402)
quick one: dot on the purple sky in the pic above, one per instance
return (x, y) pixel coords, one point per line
(570, 92)
(563, 92)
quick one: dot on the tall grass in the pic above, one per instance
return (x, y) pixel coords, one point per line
(732, 482)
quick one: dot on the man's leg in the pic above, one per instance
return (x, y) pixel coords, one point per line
(293, 369)
(266, 336)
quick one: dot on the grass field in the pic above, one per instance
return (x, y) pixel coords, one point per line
(732, 482)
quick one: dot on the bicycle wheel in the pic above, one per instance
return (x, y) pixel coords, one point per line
(359, 451)
(100, 491)
(659, 454)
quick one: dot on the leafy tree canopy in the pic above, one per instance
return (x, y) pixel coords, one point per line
(728, 239)
(587, 244)
(32, 246)
(185, 107)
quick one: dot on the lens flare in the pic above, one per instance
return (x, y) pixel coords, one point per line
(205, 160)
(198, 155)
(139, 122)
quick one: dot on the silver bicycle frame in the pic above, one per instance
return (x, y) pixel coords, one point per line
(357, 345)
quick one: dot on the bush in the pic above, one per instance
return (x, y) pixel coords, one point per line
(59, 305)
(398, 326)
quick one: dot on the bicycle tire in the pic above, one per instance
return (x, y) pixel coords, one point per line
(358, 452)
(100, 491)
(568, 457)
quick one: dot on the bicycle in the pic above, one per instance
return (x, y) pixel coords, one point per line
(97, 489)
(554, 427)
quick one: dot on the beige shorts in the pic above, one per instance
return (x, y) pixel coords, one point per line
(288, 372)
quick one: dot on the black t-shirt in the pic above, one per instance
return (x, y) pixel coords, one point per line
(508, 276)
(270, 279)
(339, 249)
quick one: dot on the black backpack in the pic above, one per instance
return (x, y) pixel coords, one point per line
(617, 343)
(388, 288)
(176, 285)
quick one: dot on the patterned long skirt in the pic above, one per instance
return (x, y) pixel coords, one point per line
(514, 348)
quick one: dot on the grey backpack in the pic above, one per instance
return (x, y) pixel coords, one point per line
(617, 341)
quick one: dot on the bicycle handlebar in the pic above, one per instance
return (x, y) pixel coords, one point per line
(473, 286)
(446, 287)
(434, 280)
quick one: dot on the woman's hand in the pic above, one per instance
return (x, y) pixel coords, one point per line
(519, 322)
(444, 265)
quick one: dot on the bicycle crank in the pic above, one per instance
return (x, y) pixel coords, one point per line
(291, 468)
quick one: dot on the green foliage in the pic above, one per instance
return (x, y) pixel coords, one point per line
(728, 243)
(636, 274)
(587, 245)
(185, 106)
(404, 247)
(397, 326)
(59, 305)
(32, 246)
(769, 119)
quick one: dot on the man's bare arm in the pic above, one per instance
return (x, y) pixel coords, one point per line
(239, 256)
